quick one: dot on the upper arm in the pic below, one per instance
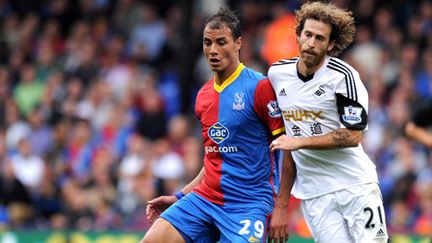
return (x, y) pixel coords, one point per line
(267, 108)
(351, 113)
(352, 101)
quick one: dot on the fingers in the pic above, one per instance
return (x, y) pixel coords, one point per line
(148, 209)
(152, 213)
(278, 239)
(278, 235)
(274, 145)
(155, 200)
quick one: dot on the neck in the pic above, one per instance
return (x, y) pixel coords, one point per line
(221, 76)
(307, 69)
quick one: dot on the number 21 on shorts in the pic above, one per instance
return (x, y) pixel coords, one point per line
(370, 222)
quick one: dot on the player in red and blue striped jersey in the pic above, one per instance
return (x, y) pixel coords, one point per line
(232, 198)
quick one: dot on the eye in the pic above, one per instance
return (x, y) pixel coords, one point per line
(221, 42)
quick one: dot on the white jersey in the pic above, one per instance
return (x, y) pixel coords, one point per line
(332, 98)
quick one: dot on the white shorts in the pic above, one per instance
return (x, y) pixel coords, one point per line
(352, 215)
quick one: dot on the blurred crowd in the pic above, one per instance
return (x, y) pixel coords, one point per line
(93, 123)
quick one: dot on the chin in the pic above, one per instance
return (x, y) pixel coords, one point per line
(308, 63)
(214, 69)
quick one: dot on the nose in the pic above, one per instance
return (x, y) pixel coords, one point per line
(311, 42)
(213, 49)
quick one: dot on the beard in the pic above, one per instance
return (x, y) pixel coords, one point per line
(312, 59)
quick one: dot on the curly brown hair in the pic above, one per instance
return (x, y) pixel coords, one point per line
(341, 22)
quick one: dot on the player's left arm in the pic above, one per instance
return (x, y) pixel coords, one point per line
(352, 106)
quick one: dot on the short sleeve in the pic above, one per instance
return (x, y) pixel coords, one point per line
(351, 113)
(267, 108)
(352, 100)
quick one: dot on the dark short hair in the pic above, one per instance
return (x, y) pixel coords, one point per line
(225, 17)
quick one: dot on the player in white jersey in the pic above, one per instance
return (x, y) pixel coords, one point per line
(324, 105)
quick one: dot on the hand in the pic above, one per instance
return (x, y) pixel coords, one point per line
(286, 143)
(157, 205)
(279, 225)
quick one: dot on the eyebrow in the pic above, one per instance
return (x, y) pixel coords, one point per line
(220, 38)
(318, 35)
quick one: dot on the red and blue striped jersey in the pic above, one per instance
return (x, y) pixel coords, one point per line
(238, 119)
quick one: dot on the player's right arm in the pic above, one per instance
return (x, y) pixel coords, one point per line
(157, 205)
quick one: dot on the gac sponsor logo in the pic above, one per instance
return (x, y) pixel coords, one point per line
(218, 133)
(224, 149)
(302, 115)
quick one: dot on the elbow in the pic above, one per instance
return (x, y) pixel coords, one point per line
(355, 144)
(357, 138)
(353, 138)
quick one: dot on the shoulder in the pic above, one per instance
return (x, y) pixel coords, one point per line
(283, 70)
(286, 61)
(264, 84)
(251, 74)
(206, 87)
(283, 66)
(250, 79)
(341, 67)
(205, 91)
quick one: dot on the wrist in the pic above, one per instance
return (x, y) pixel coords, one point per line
(281, 205)
(179, 195)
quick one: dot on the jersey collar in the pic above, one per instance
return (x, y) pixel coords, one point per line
(229, 80)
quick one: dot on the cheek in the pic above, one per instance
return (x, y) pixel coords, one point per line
(227, 54)
(205, 50)
(302, 44)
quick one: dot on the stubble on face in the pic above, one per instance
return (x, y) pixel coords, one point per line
(312, 58)
(314, 42)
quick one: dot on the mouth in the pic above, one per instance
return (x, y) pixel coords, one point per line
(214, 61)
(309, 53)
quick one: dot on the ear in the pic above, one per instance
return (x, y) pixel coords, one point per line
(238, 43)
(330, 46)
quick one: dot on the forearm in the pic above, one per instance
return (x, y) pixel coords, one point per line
(288, 175)
(340, 138)
(418, 134)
